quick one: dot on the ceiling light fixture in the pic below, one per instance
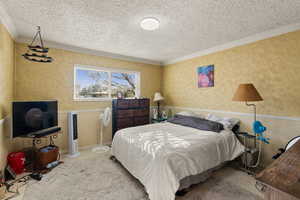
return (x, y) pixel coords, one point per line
(150, 23)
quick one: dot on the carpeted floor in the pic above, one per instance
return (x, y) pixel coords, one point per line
(93, 176)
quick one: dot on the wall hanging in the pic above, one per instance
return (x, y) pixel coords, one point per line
(206, 76)
(38, 52)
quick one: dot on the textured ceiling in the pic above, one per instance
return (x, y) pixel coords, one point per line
(187, 26)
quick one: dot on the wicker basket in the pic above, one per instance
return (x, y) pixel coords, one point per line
(44, 158)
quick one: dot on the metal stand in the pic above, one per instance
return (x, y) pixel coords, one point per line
(254, 108)
(158, 111)
(246, 168)
(37, 140)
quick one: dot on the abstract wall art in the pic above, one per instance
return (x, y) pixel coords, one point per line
(206, 76)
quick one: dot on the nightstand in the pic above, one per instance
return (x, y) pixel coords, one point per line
(246, 136)
(250, 155)
(158, 120)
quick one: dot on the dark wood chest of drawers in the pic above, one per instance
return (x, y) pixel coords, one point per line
(129, 113)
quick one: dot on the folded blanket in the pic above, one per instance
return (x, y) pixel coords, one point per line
(197, 123)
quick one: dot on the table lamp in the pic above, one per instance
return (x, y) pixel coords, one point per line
(157, 98)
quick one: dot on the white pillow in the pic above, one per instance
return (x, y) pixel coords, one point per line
(227, 122)
(190, 114)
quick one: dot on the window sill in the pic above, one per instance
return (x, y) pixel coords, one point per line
(91, 100)
(106, 99)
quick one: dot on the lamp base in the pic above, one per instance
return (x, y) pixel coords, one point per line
(158, 111)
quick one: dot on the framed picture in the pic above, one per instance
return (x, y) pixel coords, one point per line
(206, 76)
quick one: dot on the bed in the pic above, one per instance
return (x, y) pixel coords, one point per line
(161, 155)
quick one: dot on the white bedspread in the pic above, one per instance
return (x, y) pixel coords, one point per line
(161, 154)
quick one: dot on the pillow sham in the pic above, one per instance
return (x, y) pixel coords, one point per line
(197, 123)
(227, 122)
(190, 114)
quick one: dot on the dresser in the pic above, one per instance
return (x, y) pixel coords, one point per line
(282, 178)
(129, 112)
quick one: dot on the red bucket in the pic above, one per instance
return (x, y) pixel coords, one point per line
(16, 160)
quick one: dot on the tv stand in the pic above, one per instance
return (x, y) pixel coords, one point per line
(43, 133)
(36, 139)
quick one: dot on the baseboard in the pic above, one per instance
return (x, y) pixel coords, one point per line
(84, 148)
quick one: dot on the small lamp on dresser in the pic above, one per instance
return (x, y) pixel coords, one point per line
(157, 98)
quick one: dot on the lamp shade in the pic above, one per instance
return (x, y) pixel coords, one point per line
(246, 92)
(158, 97)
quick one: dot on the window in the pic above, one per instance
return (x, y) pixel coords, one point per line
(97, 83)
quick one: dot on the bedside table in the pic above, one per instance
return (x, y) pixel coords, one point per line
(250, 155)
(158, 120)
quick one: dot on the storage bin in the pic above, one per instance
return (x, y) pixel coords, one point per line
(46, 157)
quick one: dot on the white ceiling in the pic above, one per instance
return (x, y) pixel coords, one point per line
(187, 26)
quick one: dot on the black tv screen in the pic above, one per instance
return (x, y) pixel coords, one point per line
(33, 116)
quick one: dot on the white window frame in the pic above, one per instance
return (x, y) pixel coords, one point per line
(109, 70)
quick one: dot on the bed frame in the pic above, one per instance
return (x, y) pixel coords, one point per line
(186, 182)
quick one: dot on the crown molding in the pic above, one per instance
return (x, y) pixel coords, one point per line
(233, 113)
(7, 22)
(246, 40)
(56, 45)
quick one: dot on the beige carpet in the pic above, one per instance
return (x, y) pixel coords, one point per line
(94, 176)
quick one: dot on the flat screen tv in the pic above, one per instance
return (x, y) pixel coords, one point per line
(33, 117)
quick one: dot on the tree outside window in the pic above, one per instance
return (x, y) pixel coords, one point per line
(93, 84)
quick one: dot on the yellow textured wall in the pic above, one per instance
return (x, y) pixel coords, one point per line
(36, 81)
(272, 65)
(55, 80)
(6, 88)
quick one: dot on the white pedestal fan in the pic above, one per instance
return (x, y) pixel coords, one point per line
(105, 118)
